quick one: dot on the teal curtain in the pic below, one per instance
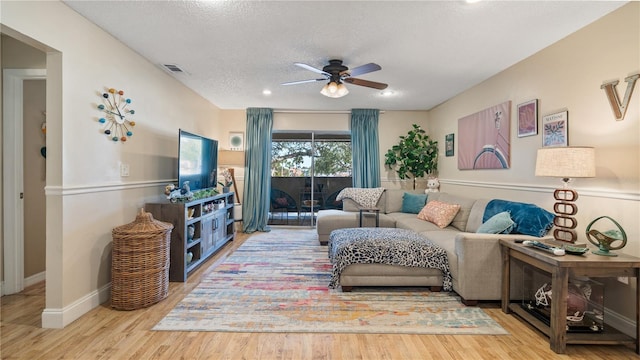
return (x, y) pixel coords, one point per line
(257, 178)
(365, 148)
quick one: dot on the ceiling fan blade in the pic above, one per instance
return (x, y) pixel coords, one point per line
(311, 68)
(303, 81)
(364, 69)
(367, 83)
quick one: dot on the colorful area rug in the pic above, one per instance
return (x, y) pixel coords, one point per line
(278, 282)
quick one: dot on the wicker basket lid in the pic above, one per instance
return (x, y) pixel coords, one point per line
(144, 223)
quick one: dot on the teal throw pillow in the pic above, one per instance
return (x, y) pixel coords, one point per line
(413, 203)
(500, 223)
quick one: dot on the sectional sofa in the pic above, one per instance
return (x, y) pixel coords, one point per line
(474, 258)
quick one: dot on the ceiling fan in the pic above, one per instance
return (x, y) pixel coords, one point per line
(338, 74)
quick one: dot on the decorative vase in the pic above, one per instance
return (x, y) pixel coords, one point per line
(189, 257)
(226, 189)
(191, 230)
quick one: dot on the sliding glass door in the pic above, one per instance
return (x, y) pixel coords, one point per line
(308, 170)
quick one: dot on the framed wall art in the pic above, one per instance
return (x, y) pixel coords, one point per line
(448, 144)
(483, 138)
(555, 129)
(236, 141)
(528, 118)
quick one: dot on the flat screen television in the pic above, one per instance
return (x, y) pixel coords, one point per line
(198, 161)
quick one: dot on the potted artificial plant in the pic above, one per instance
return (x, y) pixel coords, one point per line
(414, 156)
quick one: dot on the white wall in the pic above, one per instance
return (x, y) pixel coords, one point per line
(86, 197)
(566, 75)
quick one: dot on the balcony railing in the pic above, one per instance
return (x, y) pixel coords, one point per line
(296, 200)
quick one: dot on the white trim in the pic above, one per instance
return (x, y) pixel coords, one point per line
(12, 178)
(59, 318)
(34, 279)
(604, 193)
(96, 188)
(286, 111)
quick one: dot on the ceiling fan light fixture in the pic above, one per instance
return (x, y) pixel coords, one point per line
(325, 90)
(334, 90)
(337, 74)
(342, 90)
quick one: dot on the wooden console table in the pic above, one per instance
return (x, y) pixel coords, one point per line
(561, 268)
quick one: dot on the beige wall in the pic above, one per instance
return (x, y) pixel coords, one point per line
(566, 75)
(392, 124)
(86, 197)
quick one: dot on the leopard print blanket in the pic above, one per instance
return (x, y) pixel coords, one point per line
(384, 246)
(365, 197)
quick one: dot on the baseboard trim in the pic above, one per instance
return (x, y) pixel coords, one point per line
(59, 318)
(623, 324)
(34, 279)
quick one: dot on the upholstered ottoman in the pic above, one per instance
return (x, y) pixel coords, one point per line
(386, 257)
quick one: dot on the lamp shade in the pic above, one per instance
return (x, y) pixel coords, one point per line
(229, 157)
(566, 162)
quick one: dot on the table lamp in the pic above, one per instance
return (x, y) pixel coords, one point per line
(566, 163)
(229, 158)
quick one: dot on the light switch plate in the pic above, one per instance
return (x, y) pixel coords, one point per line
(124, 169)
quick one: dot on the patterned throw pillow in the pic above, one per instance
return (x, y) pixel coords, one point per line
(439, 213)
(282, 201)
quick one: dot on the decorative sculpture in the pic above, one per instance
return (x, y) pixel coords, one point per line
(604, 240)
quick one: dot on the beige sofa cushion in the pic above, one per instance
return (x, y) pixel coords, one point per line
(476, 214)
(411, 222)
(445, 238)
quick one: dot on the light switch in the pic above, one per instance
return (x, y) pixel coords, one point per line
(124, 169)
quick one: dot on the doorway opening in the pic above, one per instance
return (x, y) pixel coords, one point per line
(308, 171)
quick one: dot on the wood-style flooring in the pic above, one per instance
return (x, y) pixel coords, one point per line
(104, 333)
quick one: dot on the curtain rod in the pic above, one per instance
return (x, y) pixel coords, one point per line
(283, 111)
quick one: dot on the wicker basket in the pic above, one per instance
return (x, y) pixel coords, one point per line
(140, 263)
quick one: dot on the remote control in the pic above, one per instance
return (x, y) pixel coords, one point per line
(538, 245)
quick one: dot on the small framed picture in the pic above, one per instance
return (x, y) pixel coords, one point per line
(236, 141)
(528, 118)
(555, 129)
(448, 144)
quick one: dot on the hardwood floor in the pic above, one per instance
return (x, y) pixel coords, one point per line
(104, 333)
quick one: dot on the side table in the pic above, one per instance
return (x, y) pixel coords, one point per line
(561, 268)
(375, 211)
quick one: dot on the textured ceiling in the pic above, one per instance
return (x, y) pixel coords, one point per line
(429, 51)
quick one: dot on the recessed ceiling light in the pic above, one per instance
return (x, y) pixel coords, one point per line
(387, 93)
(266, 92)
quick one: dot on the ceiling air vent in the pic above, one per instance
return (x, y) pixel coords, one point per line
(172, 68)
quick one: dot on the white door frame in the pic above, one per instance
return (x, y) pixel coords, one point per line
(12, 178)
